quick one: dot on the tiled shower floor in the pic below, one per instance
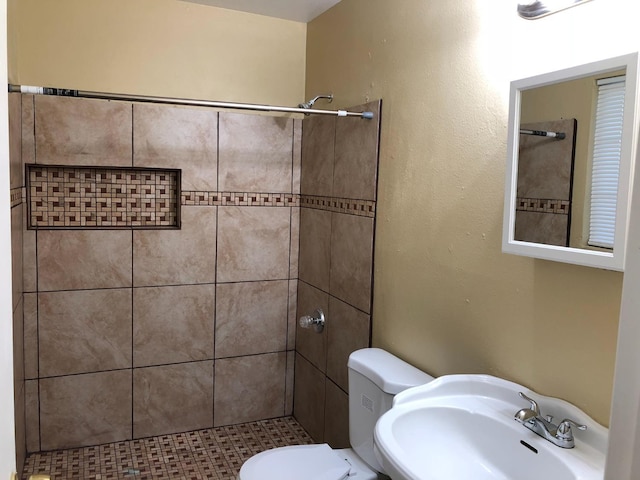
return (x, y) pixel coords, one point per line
(214, 453)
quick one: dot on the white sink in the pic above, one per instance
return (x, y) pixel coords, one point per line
(462, 427)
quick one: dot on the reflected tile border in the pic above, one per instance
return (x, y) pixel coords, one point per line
(543, 205)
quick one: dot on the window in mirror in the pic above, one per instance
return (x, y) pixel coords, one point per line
(605, 168)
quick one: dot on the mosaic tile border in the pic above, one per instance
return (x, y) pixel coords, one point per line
(102, 197)
(93, 197)
(245, 199)
(17, 196)
(543, 205)
(362, 208)
(213, 454)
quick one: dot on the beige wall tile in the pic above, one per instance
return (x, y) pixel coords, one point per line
(249, 388)
(255, 153)
(289, 383)
(29, 270)
(356, 155)
(336, 420)
(20, 426)
(173, 324)
(72, 131)
(540, 227)
(178, 137)
(19, 385)
(175, 257)
(16, 253)
(348, 331)
(84, 331)
(545, 168)
(309, 398)
(32, 416)
(292, 314)
(251, 318)
(312, 345)
(253, 243)
(28, 129)
(15, 140)
(172, 398)
(18, 346)
(81, 410)
(297, 156)
(82, 259)
(315, 247)
(318, 139)
(294, 249)
(352, 259)
(31, 335)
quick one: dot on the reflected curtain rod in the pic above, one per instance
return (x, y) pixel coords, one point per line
(543, 133)
(62, 92)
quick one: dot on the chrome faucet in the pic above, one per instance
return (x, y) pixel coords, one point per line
(560, 435)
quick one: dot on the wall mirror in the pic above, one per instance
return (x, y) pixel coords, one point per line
(570, 160)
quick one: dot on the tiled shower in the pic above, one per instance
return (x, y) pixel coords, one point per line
(337, 223)
(134, 332)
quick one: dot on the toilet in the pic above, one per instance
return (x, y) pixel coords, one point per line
(375, 377)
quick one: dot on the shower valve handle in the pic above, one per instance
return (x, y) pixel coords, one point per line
(316, 321)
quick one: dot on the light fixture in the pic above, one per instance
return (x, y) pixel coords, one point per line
(541, 8)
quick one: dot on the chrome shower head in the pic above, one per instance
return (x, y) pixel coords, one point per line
(310, 103)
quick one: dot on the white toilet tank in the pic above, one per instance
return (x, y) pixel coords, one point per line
(375, 376)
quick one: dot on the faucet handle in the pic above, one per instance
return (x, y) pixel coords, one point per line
(564, 428)
(534, 404)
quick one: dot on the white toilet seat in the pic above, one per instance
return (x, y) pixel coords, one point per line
(308, 462)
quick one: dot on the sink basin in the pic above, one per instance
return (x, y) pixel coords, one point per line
(461, 427)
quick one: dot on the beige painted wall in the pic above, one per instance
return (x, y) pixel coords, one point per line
(446, 298)
(157, 47)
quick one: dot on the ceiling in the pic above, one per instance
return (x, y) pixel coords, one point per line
(296, 10)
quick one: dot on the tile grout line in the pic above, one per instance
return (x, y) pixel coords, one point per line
(289, 296)
(132, 281)
(132, 337)
(215, 279)
(37, 288)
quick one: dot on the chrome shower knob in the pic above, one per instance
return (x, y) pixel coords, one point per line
(316, 320)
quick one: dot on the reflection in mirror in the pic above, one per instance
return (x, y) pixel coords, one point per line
(572, 147)
(545, 173)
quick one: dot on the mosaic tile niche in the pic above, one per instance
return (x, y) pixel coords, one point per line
(89, 197)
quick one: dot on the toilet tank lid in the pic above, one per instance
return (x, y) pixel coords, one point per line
(387, 371)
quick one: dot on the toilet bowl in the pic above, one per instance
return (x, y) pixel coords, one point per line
(375, 377)
(306, 462)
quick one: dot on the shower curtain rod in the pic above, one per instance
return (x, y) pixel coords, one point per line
(182, 101)
(543, 133)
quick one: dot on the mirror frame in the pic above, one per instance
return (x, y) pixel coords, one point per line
(593, 258)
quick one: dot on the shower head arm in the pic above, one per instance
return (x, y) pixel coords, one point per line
(310, 103)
